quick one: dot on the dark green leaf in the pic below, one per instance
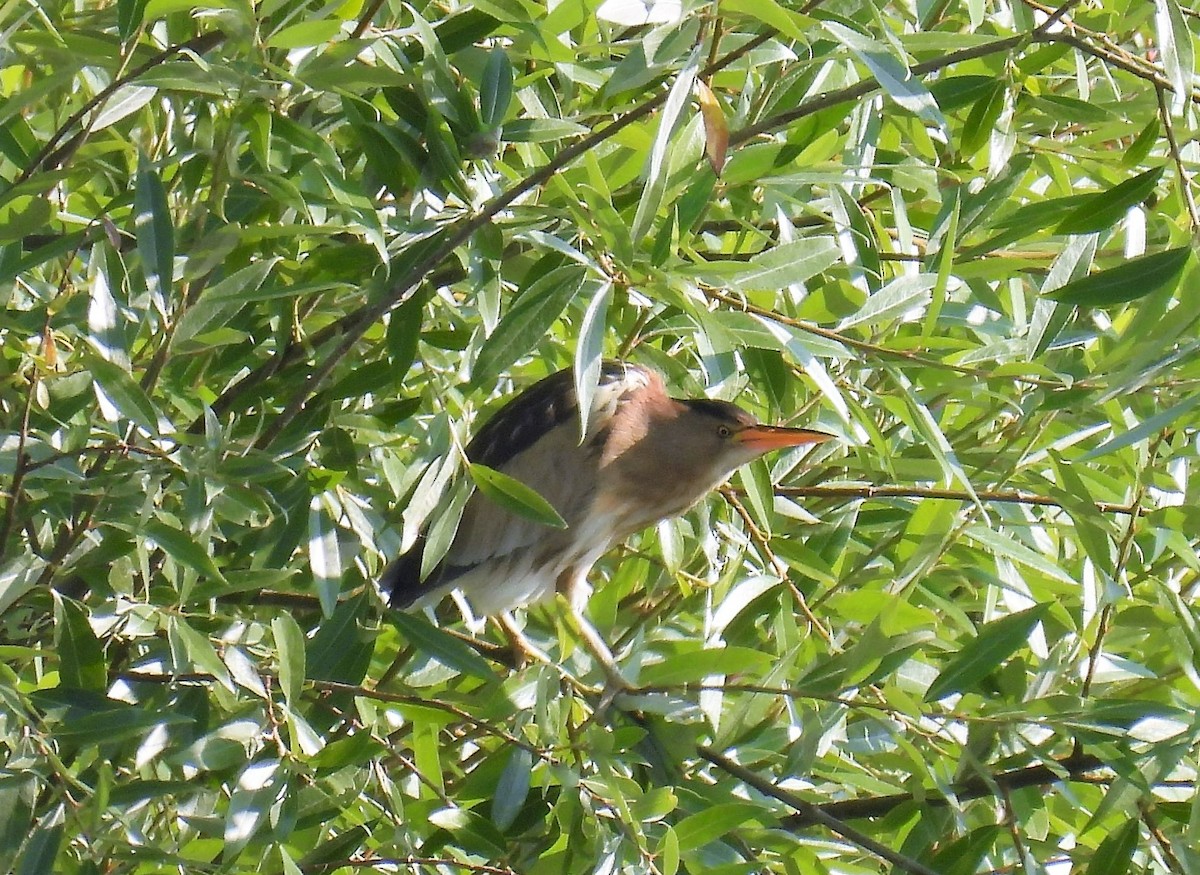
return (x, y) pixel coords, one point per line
(512, 789)
(342, 646)
(994, 643)
(515, 496)
(337, 849)
(445, 648)
(41, 851)
(495, 92)
(527, 321)
(80, 655)
(1133, 279)
(120, 390)
(1104, 209)
(129, 16)
(705, 826)
(982, 120)
(1115, 853)
(155, 231)
(289, 643)
(183, 548)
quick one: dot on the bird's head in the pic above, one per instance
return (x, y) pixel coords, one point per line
(726, 437)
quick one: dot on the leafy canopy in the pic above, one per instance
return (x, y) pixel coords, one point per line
(264, 265)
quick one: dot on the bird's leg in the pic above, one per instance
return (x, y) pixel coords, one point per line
(572, 585)
(599, 650)
(523, 650)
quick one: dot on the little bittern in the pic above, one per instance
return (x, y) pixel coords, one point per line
(646, 457)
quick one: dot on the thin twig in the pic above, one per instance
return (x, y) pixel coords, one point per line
(1074, 767)
(1124, 550)
(869, 491)
(763, 542)
(867, 346)
(1185, 186)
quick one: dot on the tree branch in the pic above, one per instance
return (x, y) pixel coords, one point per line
(814, 813)
(1014, 496)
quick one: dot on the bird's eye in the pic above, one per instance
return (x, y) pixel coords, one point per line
(724, 431)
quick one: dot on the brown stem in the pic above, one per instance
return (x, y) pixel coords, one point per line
(1005, 496)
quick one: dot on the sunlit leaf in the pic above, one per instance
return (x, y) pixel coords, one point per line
(982, 655)
(1128, 281)
(513, 495)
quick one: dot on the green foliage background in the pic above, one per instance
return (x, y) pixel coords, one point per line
(263, 264)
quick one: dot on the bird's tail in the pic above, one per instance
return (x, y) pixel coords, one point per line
(401, 581)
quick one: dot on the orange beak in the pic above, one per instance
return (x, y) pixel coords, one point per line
(765, 438)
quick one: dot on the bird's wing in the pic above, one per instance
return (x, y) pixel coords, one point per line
(535, 439)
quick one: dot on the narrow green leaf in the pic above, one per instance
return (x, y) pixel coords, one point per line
(1145, 429)
(788, 264)
(1116, 851)
(324, 555)
(183, 548)
(512, 494)
(1175, 41)
(305, 34)
(41, 851)
(120, 395)
(129, 16)
(447, 650)
(527, 321)
(697, 830)
(152, 221)
(589, 350)
(1005, 546)
(103, 317)
(667, 853)
(695, 665)
(222, 300)
(890, 71)
(964, 855)
(540, 130)
(1090, 525)
(117, 724)
(1104, 209)
(495, 92)
(404, 333)
(1142, 144)
(252, 802)
(982, 121)
(512, 789)
(290, 650)
(80, 654)
(440, 534)
(772, 14)
(657, 164)
(982, 655)
(899, 296)
(339, 848)
(342, 646)
(195, 651)
(1132, 279)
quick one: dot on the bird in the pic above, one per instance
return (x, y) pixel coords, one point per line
(645, 457)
